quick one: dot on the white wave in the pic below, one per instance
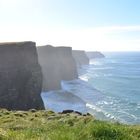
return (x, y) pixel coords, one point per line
(100, 113)
(128, 115)
(93, 107)
(87, 93)
(104, 103)
(84, 77)
(138, 107)
(82, 89)
(107, 75)
(97, 63)
(102, 68)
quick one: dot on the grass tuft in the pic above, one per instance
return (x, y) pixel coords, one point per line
(47, 125)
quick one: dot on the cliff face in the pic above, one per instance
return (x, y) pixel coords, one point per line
(20, 76)
(80, 57)
(67, 63)
(57, 64)
(96, 54)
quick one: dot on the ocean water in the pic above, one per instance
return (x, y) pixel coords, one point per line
(108, 88)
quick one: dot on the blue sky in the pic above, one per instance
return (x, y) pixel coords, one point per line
(104, 25)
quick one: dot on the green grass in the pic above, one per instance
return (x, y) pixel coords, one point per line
(47, 125)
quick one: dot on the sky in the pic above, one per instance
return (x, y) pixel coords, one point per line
(93, 25)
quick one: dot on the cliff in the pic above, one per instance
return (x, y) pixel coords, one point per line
(57, 64)
(80, 57)
(20, 76)
(96, 54)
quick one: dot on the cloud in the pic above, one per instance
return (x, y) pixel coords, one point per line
(119, 28)
(99, 38)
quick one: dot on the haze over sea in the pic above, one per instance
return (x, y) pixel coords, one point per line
(108, 88)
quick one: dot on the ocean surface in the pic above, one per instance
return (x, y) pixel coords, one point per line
(108, 88)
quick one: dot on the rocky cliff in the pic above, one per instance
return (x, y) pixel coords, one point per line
(80, 57)
(20, 76)
(96, 54)
(57, 64)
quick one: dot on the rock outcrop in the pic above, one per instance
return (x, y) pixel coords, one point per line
(80, 57)
(20, 76)
(96, 54)
(57, 64)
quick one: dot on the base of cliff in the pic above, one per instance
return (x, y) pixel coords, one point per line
(69, 125)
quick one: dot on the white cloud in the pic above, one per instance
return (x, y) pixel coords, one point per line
(99, 38)
(119, 28)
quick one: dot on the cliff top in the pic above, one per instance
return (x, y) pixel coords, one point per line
(16, 43)
(51, 46)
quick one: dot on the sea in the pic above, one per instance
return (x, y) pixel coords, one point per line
(108, 88)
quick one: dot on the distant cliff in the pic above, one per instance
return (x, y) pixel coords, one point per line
(96, 54)
(20, 76)
(57, 64)
(80, 57)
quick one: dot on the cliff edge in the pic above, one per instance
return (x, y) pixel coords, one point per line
(80, 57)
(96, 54)
(20, 76)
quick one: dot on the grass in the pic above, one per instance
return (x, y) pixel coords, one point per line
(47, 125)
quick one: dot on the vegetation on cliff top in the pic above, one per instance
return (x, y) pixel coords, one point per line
(47, 125)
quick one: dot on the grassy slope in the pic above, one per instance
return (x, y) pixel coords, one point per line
(46, 125)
